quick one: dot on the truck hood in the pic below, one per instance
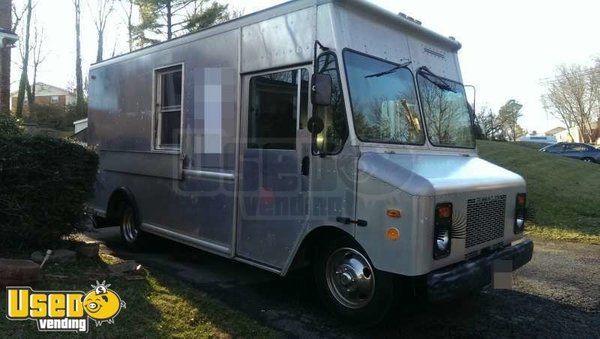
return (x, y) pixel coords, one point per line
(430, 175)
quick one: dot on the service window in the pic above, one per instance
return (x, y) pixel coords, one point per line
(169, 87)
(274, 107)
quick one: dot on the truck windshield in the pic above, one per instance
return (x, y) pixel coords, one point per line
(447, 115)
(384, 100)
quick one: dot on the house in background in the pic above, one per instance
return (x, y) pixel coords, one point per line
(568, 135)
(47, 95)
(560, 133)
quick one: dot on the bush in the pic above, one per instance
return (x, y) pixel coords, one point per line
(44, 183)
(8, 126)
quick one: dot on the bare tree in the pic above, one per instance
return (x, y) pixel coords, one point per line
(78, 72)
(24, 82)
(573, 98)
(17, 16)
(39, 55)
(560, 112)
(127, 9)
(103, 9)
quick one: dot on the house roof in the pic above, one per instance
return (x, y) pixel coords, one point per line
(555, 130)
(42, 86)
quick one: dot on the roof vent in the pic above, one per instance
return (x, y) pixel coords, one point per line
(410, 18)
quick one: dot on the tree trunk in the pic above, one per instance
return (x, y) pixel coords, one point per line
(169, 21)
(100, 54)
(5, 22)
(78, 73)
(130, 26)
(32, 89)
(24, 82)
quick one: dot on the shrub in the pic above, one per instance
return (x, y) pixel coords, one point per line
(44, 183)
(8, 126)
(55, 116)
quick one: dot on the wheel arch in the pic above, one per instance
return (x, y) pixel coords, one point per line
(118, 198)
(306, 251)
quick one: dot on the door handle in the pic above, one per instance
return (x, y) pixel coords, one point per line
(305, 166)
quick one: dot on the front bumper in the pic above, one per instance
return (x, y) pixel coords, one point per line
(472, 275)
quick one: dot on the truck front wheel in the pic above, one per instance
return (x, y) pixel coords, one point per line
(350, 286)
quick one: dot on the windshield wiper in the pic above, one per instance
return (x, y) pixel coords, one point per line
(437, 80)
(377, 75)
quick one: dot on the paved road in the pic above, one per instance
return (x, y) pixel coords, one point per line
(556, 295)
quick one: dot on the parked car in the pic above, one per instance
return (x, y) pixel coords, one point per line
(574, 150)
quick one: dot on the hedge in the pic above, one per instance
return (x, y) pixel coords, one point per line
(44, 183)
(8, 126)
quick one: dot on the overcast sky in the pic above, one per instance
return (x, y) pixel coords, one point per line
(509, 47)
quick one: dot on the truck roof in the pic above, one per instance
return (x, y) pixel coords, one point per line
(406, 23)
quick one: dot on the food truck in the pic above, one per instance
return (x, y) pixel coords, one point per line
(323, 132)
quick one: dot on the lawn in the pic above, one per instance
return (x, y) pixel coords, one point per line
(157, 306)
(563, 194)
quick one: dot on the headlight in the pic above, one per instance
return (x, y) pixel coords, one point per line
(442, 240)
(442, 232)
(520, 212)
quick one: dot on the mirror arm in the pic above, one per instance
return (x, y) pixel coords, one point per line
(318, 45)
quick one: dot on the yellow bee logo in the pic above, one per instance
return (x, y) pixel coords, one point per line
(102, 304)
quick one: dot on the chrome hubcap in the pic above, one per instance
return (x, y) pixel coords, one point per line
(129, 230)
(350, 278)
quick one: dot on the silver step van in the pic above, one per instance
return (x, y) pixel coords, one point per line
(326, 132)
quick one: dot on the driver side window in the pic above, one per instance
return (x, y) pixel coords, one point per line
(332, 138)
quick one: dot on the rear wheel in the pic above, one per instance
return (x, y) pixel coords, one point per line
(130, 228)
(588, 159)
(350, 286)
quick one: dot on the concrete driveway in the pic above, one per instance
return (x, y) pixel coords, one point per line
(556, 295)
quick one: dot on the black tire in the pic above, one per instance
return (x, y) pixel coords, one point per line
(131, 234)
(369, 309)
(588, 160)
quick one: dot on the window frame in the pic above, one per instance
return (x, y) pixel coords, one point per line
(419, 110)
(157, 109)
(425, 119)
(314, 149)
(299, 68)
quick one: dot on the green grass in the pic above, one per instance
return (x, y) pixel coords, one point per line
(157, 306)
(563, 194)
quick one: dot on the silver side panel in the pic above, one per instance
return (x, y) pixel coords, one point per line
(278, 42)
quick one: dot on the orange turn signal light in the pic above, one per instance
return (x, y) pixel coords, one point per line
(521, 199)
(393, 213)
(444, 211)
(392, 233)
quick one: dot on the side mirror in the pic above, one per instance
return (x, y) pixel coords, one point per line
(321, 89)
(315, 125)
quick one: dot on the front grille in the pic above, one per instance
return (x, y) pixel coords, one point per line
(485, 219)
